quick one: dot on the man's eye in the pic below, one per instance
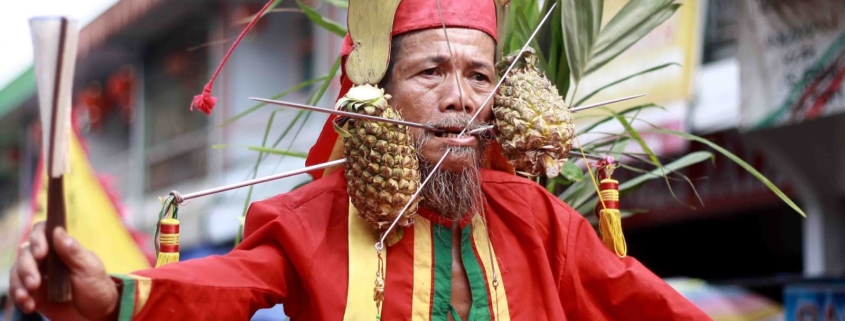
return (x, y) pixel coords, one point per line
(479, 77)
(429, 72)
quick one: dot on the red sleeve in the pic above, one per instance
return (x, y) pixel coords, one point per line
(253, 276)
(597, 284)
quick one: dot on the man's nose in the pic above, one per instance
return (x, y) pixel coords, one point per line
(457, 95)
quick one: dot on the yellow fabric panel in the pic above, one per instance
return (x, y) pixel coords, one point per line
(421, 305)
(91, 217)
(363, 264)
(499, 298)
(143, 285)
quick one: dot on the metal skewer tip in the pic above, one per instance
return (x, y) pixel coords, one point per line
(599, 104)
(480, 130)
(346, 114)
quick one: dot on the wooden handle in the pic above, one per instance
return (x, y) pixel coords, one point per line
(56, 271)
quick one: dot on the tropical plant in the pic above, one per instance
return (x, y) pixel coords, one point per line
(571, 46)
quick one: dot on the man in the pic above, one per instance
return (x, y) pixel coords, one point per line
(485, 244)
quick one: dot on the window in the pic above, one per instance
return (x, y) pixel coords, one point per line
(176, 145)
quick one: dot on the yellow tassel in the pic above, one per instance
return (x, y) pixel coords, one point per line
(168, 242)
(610, 218)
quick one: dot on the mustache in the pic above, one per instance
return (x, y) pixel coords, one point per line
(457, 121)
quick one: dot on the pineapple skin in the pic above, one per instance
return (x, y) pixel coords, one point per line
(534, 126)
(381, 169)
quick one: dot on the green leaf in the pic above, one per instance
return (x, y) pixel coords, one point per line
(579, 192)
(636, 182)
(278, 151)
(636, 136)
(740, 162)
(239, 236)
(618, 147)
(293, 89)
(652, 69)
(627, 19)
(557, 68)
(219, 146)
(338, 3)
(322, 90)
(615, 39)
(623, 112)
(572, 172)
(324, 22)
(580, 24)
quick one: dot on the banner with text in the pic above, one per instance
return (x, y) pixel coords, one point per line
(792, 61)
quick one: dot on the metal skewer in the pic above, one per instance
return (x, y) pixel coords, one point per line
(347, 114)
(181, 198)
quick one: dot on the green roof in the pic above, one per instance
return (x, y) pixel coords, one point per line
(18, 91)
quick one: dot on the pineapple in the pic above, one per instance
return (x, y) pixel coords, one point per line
(533, 124)
(382, 170)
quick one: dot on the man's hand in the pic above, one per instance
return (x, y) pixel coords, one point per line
(94, 295)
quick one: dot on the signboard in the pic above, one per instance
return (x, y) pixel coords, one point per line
(816, 302)
(673, 41)
(792, 61)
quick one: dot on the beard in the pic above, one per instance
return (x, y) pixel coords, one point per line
(453, 194)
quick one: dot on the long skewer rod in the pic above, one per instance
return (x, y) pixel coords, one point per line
(347, 114)
(182, 198)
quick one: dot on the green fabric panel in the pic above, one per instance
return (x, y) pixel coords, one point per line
(442, 237)
(127, 297)
(17, 92)
(480, 304)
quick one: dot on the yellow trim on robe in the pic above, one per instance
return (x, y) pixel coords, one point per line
(498, 297)
(363, 265)
(143, 285)
(421, 304)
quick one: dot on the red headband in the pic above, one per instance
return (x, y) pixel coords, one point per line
(411, 15)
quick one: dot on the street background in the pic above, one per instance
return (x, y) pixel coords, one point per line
(763, 81)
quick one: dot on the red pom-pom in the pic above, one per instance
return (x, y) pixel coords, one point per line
(204, 102)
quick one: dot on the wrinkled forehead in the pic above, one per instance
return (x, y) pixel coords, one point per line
(439, 44)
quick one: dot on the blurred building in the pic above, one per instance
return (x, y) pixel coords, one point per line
(139, 65)
(142, 61)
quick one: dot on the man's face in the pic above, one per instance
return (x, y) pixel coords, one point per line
(432, 86)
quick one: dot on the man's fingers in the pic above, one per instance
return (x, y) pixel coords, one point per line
(38, 241)
(19, 294)
(27, 269)
(70, 251)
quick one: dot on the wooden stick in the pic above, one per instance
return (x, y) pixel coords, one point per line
(54, 44)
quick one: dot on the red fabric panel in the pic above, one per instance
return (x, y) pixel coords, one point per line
(533, 230)
(399, 285)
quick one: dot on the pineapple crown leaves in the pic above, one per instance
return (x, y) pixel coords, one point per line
(528, 59)
(366, 96)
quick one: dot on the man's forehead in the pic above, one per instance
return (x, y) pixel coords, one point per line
(433, 45)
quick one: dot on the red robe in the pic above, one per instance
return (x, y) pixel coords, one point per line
(550, 265)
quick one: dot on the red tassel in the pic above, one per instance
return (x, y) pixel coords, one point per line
(205, 101)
